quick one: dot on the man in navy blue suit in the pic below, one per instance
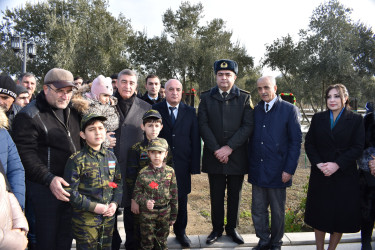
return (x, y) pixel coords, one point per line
(180, 129)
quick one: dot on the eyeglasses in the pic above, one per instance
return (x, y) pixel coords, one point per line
(60, 92)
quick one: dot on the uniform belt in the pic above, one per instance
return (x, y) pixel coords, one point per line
(161, 207)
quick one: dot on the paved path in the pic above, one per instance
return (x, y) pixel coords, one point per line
(291, 241)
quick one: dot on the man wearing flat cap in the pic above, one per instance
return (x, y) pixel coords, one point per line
(46, 133)
(225, 117)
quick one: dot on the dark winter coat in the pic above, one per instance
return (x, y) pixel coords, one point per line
(148, 100)
(44, 142)
(225, 122)
(333, 203)
(128, 134)
(276, 144)
(369, 121)
(184, 141)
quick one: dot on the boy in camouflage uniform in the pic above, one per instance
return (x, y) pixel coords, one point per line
(137, 160)
(95, 187)
(156, 193)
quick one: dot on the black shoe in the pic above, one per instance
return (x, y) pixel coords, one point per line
(261, 247)
(236, 237)
(275, 248)
(184, 240)
(212, 238)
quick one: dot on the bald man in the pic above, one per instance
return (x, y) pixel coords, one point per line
(180, 129)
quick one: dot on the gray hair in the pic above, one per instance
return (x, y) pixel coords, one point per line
(128, 72)
(270, 78)
(27, 74)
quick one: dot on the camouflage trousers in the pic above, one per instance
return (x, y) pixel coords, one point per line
(155, 228)
(93, 234)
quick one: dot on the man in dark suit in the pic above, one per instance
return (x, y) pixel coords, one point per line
(131, 110)
(225, 121)
(152, 94)
(180, 129)
(274, 150)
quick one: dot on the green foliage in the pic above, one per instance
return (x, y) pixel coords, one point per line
(245, 214)
(333, 49)
(205, 214)
(294, 218)
(70, 35)
(83, 37)
(187, 50)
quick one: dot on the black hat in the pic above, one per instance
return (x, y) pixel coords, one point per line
(8, 86)
(151, 113)
(86, 118)
(226, 64)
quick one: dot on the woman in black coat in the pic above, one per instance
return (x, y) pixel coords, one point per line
(333, 143)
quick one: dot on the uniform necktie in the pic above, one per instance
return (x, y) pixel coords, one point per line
(267, 107)
(173, 118)
(224, 95)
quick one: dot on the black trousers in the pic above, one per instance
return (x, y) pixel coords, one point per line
(218, 184)
(367, 215)
(179, 226)
(53, 219)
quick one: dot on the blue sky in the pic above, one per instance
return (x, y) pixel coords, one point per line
(254, 23)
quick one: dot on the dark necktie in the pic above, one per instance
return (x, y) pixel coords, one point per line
(267, 107)
(224, 95)
(173, 118)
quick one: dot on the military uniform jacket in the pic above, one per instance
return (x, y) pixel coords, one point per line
(137, 160)
(158, 184)
(89, 174)
(225, 122)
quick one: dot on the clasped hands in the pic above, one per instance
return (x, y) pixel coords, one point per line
(105, 209)
(328, 168)
(222, 154)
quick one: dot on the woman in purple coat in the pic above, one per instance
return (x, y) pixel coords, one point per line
(333, 143)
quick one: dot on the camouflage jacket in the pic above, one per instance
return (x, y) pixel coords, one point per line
(158, 184)
(89, 174)
(137, 160)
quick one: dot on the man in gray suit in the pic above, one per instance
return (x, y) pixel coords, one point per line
(131, 110)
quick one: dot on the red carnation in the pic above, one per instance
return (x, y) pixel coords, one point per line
(193, 89)
(112, 184)
(153, 185)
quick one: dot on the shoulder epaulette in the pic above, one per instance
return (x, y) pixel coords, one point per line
(245, 91)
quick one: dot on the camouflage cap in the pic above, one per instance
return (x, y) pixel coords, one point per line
(152, 113)
(158, 144)
(86, 118)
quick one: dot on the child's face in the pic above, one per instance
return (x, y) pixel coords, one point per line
(152, 129)
(157, 157)
(94, 135)
(104, 98)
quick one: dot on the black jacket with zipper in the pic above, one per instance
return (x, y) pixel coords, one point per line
(44, 142)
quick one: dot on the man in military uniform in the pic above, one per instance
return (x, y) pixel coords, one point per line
(156, 193)
(95, 187)
(225, 117)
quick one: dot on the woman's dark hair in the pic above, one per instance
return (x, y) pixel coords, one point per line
(343, 92)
